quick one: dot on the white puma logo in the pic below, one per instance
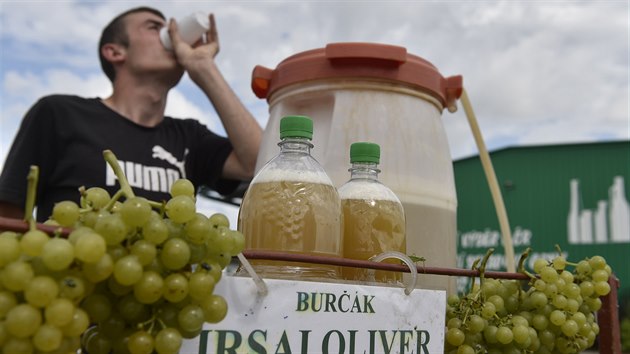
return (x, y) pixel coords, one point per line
(160, 153)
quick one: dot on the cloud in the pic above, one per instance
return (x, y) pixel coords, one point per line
(535, 72)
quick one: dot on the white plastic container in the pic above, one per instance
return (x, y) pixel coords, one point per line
(191, 29)
(378, 93)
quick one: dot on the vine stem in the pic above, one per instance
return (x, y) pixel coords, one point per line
(122, 179)
(31, 192)
(521, 264)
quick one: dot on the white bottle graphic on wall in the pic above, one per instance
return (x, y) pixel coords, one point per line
(609, 223)
(573, 221)
(619, 212)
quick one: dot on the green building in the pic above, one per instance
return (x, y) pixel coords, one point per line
(572, 195)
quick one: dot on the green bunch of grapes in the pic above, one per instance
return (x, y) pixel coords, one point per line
(132, 276)
(552, 313)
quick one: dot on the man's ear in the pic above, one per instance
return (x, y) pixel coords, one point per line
(113, 52)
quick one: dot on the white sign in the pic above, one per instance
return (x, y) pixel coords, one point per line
(311, 317)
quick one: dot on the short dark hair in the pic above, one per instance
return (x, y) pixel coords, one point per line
(115, 32)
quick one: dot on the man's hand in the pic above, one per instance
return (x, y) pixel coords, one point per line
(193, 58)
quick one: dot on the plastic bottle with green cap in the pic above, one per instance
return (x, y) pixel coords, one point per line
(292, 206)
(374, 219)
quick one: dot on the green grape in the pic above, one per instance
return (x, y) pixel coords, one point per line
(560, 284)
(547, 338)
(17, 275)
(100, 270)
(140, 342)
(572, 306)
(175, 254)
(127, 270)
(551, 290)
(549, 274)
(168, 341)
(455, 337)
(66, 213)
(118, 289)
(465, 349)
(540, 322)
(79, 323)
(572, 291)
(594, 304)
(180, 209)
(579, 318)
(149, 288)
(520, 334)
(197, 229)
(18, 345)
(559, 301)
(58, 254)
(238, 242)
(452, 300)
(454, 323)
(214, 308)
(539, 299)
(504, 335)
(476, 324)
(197, 253)
(72, 287)
(540, 285)
(23, 320)
(567, 277)
(90, 247)
(559, 263)
(184, 187)
(41, 291)
(583, 267)
(175, 287)
(601, 288)
(200, 285)
(32, 242)
(168, 315)
(597, 262)
(490, 334)
(191, 318)
(59, 312)
(117, 252)
(155, 230)
(96, 198)
(98, 344)
(97, 306)
(569, 328)
(218, 219)
(47, 338)
(145, 251)
(132, 310)
(557, 317)
(498, 302)
(7, 302)
(488, 310)
(112, 228)
(222, 242)
(9, 250)
(599, 275)
(135, 211)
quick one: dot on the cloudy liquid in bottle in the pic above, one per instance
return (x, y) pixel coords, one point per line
(294, 214)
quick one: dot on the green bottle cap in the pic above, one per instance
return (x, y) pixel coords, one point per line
(365, 152)
(296, 127)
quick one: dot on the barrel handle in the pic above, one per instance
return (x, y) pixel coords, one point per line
(261, 77)
(454, 88)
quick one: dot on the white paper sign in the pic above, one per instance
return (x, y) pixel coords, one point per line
(309, 317)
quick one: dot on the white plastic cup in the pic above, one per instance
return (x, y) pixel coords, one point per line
(191, 28)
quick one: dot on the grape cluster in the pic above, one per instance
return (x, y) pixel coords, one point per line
(552, 313)
(132, 276)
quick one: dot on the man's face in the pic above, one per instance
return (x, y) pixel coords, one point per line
(145, 53)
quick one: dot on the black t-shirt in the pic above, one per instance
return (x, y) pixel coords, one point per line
(66, 136)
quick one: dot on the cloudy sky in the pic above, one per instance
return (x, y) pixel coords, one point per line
(537, 72)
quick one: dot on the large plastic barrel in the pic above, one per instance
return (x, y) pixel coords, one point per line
(378, 93)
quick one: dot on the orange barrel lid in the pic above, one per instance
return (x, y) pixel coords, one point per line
(359, 60)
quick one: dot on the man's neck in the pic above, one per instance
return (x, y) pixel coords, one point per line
(143, 104)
